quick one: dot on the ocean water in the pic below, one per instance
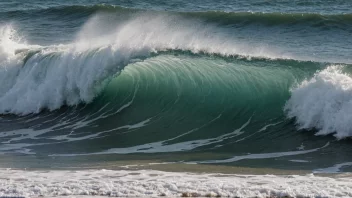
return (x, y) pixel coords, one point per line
(152, 98)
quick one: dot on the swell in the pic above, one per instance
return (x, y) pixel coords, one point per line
(342, 21)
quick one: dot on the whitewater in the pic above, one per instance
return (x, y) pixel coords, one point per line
(157, 183)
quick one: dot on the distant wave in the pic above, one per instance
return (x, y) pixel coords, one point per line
(341, 21)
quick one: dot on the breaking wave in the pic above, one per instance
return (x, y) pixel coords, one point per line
(225, 73)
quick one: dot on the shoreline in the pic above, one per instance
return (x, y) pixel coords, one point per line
(153, 183)
(135, 165)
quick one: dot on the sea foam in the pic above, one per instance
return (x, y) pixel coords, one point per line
(150, 183)
(323, 102)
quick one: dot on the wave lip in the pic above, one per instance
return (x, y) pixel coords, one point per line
(324, 103)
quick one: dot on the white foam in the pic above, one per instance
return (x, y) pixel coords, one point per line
(165, 145)
(260, 130)
(264, 155)
(150, 183)
(334, 169)
(269, 125)
(135, 126)
(323, 102)
(299, 161)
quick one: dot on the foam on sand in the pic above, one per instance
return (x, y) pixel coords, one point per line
(127, 183)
